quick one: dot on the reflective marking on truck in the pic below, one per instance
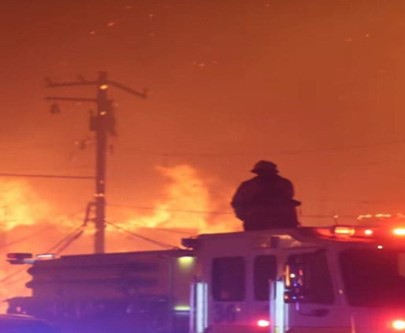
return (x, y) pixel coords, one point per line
(201, 307)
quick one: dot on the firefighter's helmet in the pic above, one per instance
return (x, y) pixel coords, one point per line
(265, 167)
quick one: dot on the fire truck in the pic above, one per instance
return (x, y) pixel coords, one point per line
(307, 279)
(112, 292)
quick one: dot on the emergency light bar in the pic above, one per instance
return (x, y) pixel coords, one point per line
(19, 258)
(346, 232)
(351, 231)
(46, 256)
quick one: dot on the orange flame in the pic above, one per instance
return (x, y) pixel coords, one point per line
(187, 205)
(19, 205)
(185, 209)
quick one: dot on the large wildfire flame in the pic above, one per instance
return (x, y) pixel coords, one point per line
(16, 205)
(187, 204)
(187, 194)
(185, 209)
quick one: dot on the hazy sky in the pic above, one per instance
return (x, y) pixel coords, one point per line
(314, 86)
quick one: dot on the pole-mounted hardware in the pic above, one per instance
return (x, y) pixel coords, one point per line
(102, 121)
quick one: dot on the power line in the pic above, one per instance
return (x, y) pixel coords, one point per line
(192, 211)
(70, 241)
(161, 244)
(174, 231)
(13, 281)
(59, 247)
(8, 277)
(25, 238)
(35, 232)
(67, 240)
(250, 153)
(44, 176)
(207, 212)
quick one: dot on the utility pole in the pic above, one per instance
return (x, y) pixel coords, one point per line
(103, 123)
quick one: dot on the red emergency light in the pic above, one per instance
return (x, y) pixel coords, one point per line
(341, 230)
(398, 324)
(399, 231)
(368, 232)
(263, 323)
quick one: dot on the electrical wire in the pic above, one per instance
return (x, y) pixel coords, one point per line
(172, 210)
(25, 238)
(35, 233)
(61, 244)
(174, 231)
(59, 247)
(281, 152)
(8, 283)
(8, 277)
(206, 212)
(161, 244)
(70, 241)
(45, 176)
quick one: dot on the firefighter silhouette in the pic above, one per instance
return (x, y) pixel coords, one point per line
(266, 201)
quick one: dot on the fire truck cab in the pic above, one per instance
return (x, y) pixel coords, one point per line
(338, 279)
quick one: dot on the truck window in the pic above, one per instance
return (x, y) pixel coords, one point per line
(264, 269)
(373, 277)
(228, 279)
(317, 279)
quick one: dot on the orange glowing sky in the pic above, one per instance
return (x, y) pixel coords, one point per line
(315, 86)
